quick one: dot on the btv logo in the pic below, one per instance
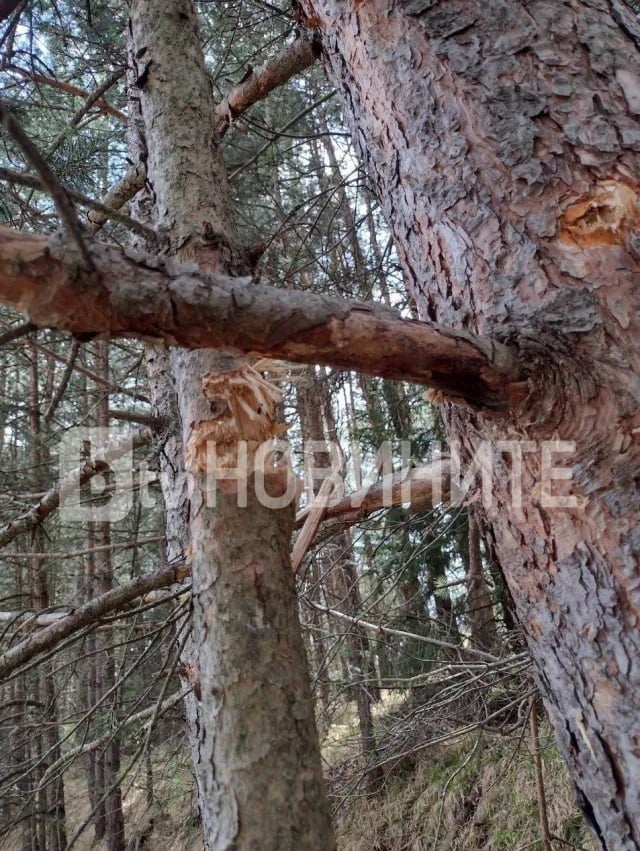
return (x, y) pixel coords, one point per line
(95, 468)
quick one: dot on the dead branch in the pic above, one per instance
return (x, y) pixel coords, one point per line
(121, 192)
(89, 613)
(70, 89)
(379, 629)
(310, 525)
(152, 712)
(99, 210)
(70, 485)
(138, 295)
(57, 555)
(271, 75)
(139, 417)
(420, 487)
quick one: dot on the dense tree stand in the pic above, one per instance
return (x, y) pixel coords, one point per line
(504, 144)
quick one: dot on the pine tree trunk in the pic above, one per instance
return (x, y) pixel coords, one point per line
(256, 749)
(503, 140)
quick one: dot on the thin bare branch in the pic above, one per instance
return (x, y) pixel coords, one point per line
(121, 192)
(61, 389)
(379, 629)
(70, 485)
(62, 201)
(104, 211)
(70, 89)
(152, 712)
(91, 99)
(88, 614)
(139, 417)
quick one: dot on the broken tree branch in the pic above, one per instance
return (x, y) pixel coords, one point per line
(420, 488)
(71, 483)
(310, 525)
(134, 294)
(121, 192)
(428, 481)
(89, 613)
(271, 75)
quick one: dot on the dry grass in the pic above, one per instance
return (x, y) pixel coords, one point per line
(475, 794)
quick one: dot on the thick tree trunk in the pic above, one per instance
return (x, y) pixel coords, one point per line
(504, 141)
(257, 755)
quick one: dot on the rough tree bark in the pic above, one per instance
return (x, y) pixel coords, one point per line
(256, 752)
(503, 140)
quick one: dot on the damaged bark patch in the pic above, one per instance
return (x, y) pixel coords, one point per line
(606, 216)
(243, 408)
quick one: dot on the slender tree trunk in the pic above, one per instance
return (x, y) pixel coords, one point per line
(504, 141)
(256, 750)
(479, 602)
(105, 661)
(49, 801)
(315, 583)
(340, 571)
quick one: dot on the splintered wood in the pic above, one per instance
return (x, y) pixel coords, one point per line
(243, 409)
(606, 216)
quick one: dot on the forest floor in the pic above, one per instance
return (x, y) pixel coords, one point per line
(474, 792)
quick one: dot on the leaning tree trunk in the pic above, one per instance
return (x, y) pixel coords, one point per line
(503, 140)
(257, 755)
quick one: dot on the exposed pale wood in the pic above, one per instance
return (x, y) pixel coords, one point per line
(310, 525)
(257, 762)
